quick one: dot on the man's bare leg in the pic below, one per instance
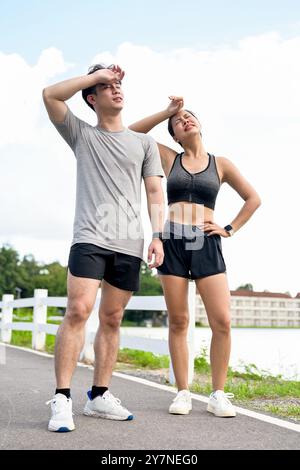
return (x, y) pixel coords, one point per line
(70, 335)
(106, 345)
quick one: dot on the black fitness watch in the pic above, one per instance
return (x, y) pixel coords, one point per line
(229, 230)
(157, 235)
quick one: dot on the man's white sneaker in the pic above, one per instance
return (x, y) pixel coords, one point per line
(219, 404)
(62, 416)
(182, 403)
(106, 406)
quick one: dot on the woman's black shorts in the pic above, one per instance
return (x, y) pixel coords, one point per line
(190, 252)
(92, 261)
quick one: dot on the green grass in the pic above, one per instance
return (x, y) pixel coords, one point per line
(129, 323)
(247, 389)
(290, 411)
(128, 356)
(269, 387)
(23, 338)
(201, 364)
(28, 312)
(143, 359)
(253, 388)
(50, 344)
(246, 385)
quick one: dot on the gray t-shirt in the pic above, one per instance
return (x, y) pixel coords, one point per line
(110, 167)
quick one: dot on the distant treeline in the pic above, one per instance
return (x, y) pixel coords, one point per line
(20, 276)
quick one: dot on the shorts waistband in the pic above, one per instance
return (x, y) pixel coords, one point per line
(183, 230)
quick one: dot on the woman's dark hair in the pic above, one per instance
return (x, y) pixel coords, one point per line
(92, 90)
(170, 127)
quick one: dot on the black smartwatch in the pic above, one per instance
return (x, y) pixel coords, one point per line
(157, 235)
(229, 230)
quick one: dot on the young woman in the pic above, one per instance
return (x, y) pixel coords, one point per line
(193, 250)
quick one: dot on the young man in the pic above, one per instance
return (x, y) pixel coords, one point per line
(108, 239)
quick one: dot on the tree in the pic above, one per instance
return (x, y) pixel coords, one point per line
(245, 287)
(29, 271)
(150, 284)
(28, 274)
(9, 272)
(53, 277)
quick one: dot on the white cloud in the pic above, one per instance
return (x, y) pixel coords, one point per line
(247, 98)
(20, 94)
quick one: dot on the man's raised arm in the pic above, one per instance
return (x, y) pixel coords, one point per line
(54, 96)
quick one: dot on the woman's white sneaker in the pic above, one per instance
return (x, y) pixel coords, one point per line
(220, 405)
(106, 406)
(182, 403)
(62, 417)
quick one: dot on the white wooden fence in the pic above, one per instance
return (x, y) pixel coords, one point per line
(39, 327)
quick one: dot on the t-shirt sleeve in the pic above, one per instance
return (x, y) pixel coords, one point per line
(69, 129)
(152, 164)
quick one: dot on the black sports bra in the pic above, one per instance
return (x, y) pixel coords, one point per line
(201, 187)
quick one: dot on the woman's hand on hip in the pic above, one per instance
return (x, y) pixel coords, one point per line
(214, 229)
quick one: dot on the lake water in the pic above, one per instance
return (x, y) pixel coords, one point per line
(275, 350)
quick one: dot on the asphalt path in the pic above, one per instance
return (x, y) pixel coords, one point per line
(27, 382)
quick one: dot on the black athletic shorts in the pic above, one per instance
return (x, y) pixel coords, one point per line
(119, 269)
(190, 252)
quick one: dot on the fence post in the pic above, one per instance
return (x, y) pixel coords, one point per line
(39, 317)
(190, 335)
(7, 317)
(91, 326)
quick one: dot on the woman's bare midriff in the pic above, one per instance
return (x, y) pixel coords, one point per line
(189, 213)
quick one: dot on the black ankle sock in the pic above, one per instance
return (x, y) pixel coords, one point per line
(98, 391)
(64, 391)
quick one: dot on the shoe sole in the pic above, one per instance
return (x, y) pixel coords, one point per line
(97, 414)
(221, 415)
(180, 412)
(61, 428)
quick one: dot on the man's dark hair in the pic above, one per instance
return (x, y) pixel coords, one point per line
(92, 90)
(170, 127)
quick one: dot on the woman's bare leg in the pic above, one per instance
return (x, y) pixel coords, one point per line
(215, 294)
(176, 295)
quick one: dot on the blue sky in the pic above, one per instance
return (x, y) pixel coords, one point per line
(82, 28)
(239, 71)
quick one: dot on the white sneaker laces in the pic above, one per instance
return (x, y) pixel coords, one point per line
(49, 401)
(109, 396)
(225, 396)
(55, 402)
(229, 395)
(180, 396)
